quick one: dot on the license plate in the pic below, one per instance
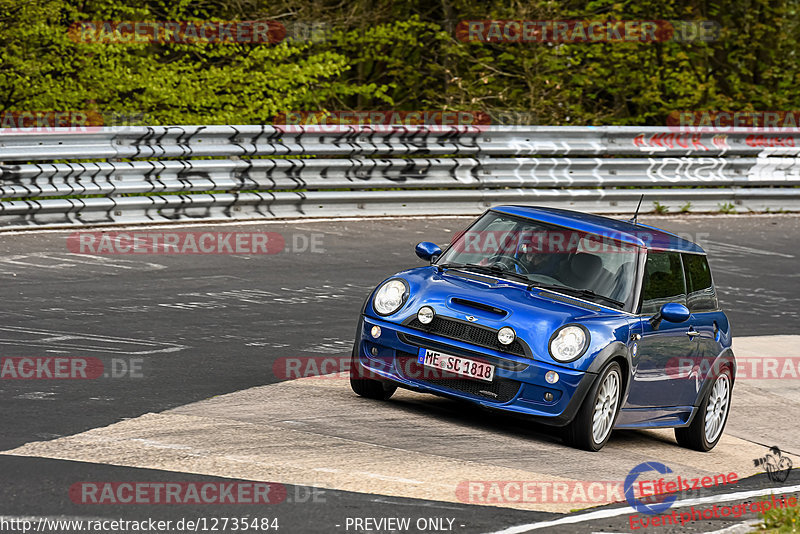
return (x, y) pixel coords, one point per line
(456, 364)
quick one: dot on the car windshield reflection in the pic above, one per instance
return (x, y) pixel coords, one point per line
(590, 266)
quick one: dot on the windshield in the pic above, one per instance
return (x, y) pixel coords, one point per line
(590, 266)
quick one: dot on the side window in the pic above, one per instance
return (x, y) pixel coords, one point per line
(663, 281)
(702, 296)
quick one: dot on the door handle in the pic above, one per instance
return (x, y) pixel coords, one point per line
(692, 332)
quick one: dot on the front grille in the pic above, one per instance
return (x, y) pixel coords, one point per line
(498, 390)
(468, 333)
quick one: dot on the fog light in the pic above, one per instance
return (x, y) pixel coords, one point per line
(425, 315)
(506, 335)
(374, 351)
(551, 377)
(548, 396)
(376, 331)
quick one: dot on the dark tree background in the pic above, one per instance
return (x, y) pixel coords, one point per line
(399, 55)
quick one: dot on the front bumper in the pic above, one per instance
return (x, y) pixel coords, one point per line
(518, 386)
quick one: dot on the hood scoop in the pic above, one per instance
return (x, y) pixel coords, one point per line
(471, 306)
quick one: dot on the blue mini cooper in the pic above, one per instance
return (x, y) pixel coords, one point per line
(576, 320)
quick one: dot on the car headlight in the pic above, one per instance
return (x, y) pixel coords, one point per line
(569, 343)
(390, 296)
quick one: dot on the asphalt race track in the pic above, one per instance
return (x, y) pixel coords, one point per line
(192, 386)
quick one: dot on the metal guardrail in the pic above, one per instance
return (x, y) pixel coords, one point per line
(151, 174)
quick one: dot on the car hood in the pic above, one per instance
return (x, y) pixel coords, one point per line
(534, 315)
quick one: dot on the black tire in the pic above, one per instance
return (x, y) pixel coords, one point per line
(579, 433)
(367, 387)
(694, 436)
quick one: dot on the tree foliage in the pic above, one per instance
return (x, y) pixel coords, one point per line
(400, 55)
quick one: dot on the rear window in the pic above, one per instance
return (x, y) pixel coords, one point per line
(702, 296)
(663, 281)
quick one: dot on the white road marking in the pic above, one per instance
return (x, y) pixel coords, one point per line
(16, 260)
(329, 345)
(69, 260)
(717, 246)
(616, 512)
(115, 262)
(37, 395)
(93, 342)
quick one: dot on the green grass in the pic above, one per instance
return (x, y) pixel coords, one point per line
(660, 208)
(780, 520)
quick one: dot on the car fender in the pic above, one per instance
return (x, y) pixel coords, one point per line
(725, 357)
(611, 351)
(614, 350)
(368, 300)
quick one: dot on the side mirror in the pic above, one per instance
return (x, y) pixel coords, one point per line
(427, 250)
(672, 312)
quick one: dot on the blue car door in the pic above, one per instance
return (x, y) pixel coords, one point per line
(707, 320)
(657, 381)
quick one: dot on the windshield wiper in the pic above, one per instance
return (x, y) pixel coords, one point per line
(580, 292)
(490, 269)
